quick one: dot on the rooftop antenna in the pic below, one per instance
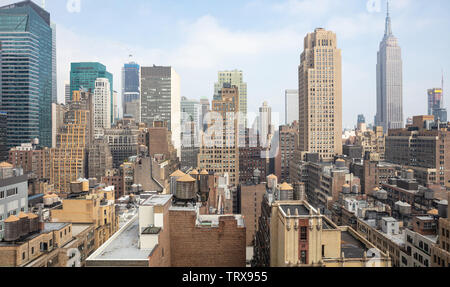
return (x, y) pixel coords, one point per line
(43, 4)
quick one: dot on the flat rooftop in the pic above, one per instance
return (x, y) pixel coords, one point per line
(79, 228)
(351, 246)
(302, 209)
(124, 245)
(160, 199)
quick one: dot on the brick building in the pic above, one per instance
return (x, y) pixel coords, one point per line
(424, 148)
(287, 146)
(167, 235)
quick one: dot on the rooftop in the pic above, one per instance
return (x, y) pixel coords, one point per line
(124, 245)
(53, 226)
(160, 199)
(79, 228)
(302, 209)
(351, 246)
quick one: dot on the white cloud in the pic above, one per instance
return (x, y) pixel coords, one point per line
(306, 7)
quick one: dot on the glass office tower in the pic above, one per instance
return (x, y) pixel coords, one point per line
(130, 90)
(26, 38)
(84, 75)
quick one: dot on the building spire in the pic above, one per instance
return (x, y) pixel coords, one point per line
(388, 30)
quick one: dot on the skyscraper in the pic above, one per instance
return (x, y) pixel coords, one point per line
(436, 103)
(265, 129)
(54, 66)
(130, 90)
(69, 158)
(67, 93)
(102, 116)
(27, 77)
(191, 110)
(84, 75)
(205, 107)
(235, 78)
(291, 106)
(389, 81)
(219, 152)
(160, 99)
(320, 95)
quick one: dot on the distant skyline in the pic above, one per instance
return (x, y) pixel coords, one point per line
(262, 38)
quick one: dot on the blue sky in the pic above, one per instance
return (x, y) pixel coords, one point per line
(264, 38)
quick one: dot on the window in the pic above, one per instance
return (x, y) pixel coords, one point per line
(11, 192)
(323, 250)
(23, 256)
(303, 233)
(2, 194)
(32, 250)
(303, 257)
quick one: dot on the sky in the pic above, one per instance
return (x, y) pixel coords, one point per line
(263, 38)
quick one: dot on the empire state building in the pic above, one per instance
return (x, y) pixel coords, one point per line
(389, 81)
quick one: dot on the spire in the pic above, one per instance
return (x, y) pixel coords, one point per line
(388, 30)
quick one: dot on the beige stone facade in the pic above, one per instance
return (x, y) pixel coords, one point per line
(320, 95)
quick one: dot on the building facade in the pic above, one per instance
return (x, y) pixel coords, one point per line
(130, 90)
(102, 103)
(83, 77)
(291, 106)
(219, 152)
(27, 92)
(160, 99)
(234, 78)
(320, 95)
(389, 81)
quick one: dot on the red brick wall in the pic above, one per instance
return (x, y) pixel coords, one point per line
(251, 199)
(192, 246)
(160, 257)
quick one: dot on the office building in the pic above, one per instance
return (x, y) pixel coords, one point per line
(286, 147)
(102, 104)
(130, 90)
(3, 136)
(58, 111)
(69, 158)
(265, 127)
(123, 141)
(205, 108)
(219, 152)
(320, 95)
(67, 94)
(54, 66)
(361, 119)
(84, 75)
(423, 149)
(160, 99)
(32, 159)
(13, 193)
(389, 81)
(27, 92)
(234, 78)
(436, 104)
(372, 141)
(291, 106)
